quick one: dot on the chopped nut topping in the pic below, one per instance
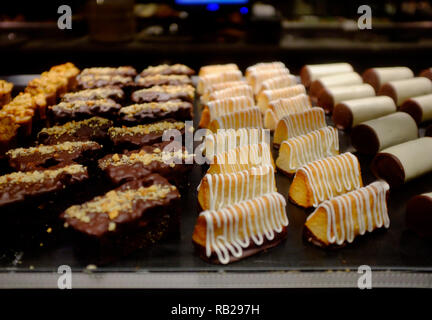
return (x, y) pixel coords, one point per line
(73, 126)
(93, 94)
(178, 68)
(5, 87)
(136, 108)
(146, 128)
(86, 104)
(98, 71)
(188, 89)
(69, 147)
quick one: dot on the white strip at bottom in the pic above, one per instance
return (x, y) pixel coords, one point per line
(218, 280)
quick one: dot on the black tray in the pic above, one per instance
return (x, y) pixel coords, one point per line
(397, 256)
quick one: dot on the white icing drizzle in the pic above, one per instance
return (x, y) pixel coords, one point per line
(220, 107)
(340, 171)
(310, 147)
(230, 230)
(283, 81)
(224, 85)
(236, 91)
(303, 122)
(228, 188)
(225, 76)
(371, 214)
(286, 92)
(250, 118)
(256, 78)
(285, 106)
(265, 66)
(243, 158)
(227, 139)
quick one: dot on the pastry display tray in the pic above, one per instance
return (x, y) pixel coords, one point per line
(397, 256)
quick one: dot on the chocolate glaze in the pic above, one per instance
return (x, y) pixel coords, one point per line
(249, 251)
(103, 107)
(428, 132)
(125, 71)
(411, 107)
(386, 166)
(113, 93)
(388, 90)
(305, 76)
(169, 70)
(364, 139)
(154, 96)
(427, 73)
(146, 82)
(419, 215)
(184, 111)
(371, 77)
(325, 100)
(342, 116)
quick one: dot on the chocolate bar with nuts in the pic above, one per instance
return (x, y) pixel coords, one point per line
(160, 79)
(175, 69)
(84, 109)
(164, 93)
(153, 111)
(113, 93)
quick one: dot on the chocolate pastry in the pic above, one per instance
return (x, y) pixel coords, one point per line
(401, 90)
(90, 81)
(177, 69)
(153, 111)
(164, 93)
(84, 109)
(113, 93)
(159, 80)
(125, 71)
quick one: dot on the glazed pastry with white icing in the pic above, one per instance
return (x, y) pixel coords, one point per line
(349, 113)
(264, 66)
(401, 90)
(220, 86)
(301, 150)
(208, 80)
(324, 179)
(376, 77)
(334, 80)
(338, 221)
(242, 229)
(311, 72)
(217, 68)
(266, 96)
(242, 158)
(243, 90)
(374, 135)
(420, 108)
(217, 108)
(256, 78)
(227, 139)
(280, 108)
(284, 81)
(404, 162)
(249, 118)
(329, 97)
(217, 191)
(296, 124)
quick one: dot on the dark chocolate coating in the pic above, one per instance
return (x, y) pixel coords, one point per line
(342, 116)
(315, 88)
(419, 215)
(364, 139)
(305, 76)
(169, 70)
(325, 100)
(428, 132)
(147, 82)
(388, 90)
(386, 166)
(427, 73)
(102, 107)
(154, 96)
(92, 82)
(183, 111)
(411, 107)
(371, 77)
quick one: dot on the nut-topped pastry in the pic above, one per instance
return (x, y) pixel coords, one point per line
(125, 71)
(79, 109)
(5, 92)
(91, 81)
(162, 79)
(336, 222)
(164, 93)
(242, 229)
(179, 69)
(22, 109)
(113, 93)
(69, 71)
(147, 112)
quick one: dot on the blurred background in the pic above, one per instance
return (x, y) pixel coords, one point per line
(197, 32)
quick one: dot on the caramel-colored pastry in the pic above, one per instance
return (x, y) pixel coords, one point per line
(339, 220)
(242, 158)
(249, 118)
(420, 108)
(400, 90)
(217, 68)
(5, 92)
(22, 110)
(266, 96)
(264, 66)
(280, 108)
(227, 139)
(301, 150)
(376, 77)
(69, 71)
(217, 191)
(311, 72)
(334, 80)
(283, 81)
(243, 90)
(242, 229)
(217, 108)
(220, 86)
(324, 179)
(208, 80)
(8, 132)
(256, 78)
(296, 124)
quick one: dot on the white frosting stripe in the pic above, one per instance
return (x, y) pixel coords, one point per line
(236, 91)
(287, 80)
(230, 230)
(223, 106)
(250, 118)
(303, 122)
(286, 106)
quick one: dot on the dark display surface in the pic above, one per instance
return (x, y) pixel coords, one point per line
(394, 249)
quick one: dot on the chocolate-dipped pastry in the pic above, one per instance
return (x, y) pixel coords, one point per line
(428, 132)
(427, 73)
(145, 134)
(312, 72)
(404, 162)
(171, 162)
(159, 80)
(91, 81)
(41, 157)
(85, 109)
(349, 113)
(376, 77)
(401, 90)
(19, 186)
(420, 108)
(329, 97)
(90, 129)
(335, 80)
(125, 71)
(164, 93)
(178, 69)
(153, 111)
(8, 133)
(125, 218)
(419, 214)
(113, 93)
(374, 135)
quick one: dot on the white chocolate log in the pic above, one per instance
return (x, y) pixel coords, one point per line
(401, 90)
(377, 134)
(336, 80)
(376, 77)
(312, 72)
(329, 97)
(420, 108)
(404, 162)
(350, 113)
